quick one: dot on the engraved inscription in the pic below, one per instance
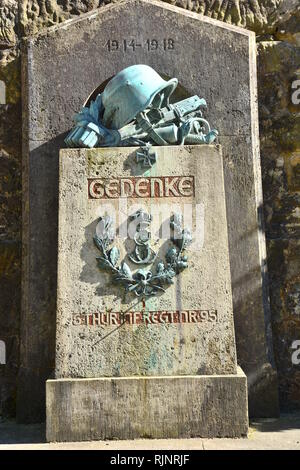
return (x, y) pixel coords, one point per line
(131, 45)
(134, 187)
(148, 318)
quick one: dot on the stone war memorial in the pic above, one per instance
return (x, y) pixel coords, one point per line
(145, 298)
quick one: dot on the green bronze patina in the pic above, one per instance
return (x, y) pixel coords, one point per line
(144, 283)
(134, 109)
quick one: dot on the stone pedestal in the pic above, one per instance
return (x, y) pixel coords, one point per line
(147, 407)
(124, 360)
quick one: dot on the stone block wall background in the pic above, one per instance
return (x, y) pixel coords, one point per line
(277, 26)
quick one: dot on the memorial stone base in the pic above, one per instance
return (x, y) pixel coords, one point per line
(129, 365)
(147, 407)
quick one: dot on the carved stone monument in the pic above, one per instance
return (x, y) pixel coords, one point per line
(144, 333)
(60, 68)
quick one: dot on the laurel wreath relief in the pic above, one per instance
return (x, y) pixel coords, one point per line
(143, 282)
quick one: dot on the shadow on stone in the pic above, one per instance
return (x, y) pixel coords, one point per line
(40, 229)
(12, 433)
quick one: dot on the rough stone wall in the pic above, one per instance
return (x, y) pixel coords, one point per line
(279, 68)
(277, 25)
(10, 203)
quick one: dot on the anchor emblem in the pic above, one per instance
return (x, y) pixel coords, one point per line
(143, 253)
(143, 283)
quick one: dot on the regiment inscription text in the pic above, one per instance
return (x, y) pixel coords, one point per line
(148, 318)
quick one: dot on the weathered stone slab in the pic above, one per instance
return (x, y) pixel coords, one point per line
(60, 68)
(188, 329)
(147, 407)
